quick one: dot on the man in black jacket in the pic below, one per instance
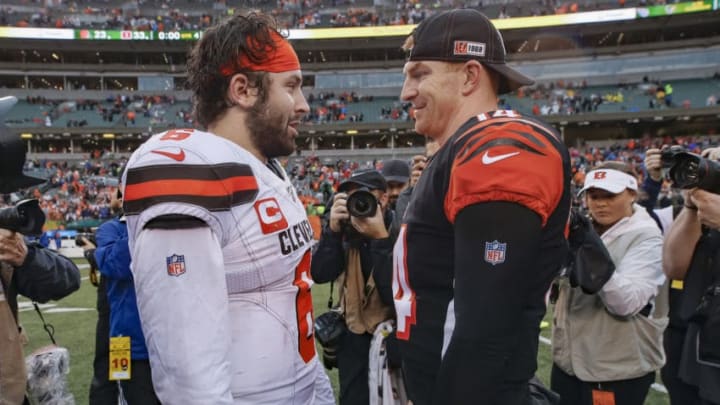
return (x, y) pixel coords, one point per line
(357, 252)
(25, 269)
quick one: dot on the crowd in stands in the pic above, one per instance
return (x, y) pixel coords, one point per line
(171, 15)
(326, 107)
(568, 98)
(115, 110)
(544, 99)
(81, 191)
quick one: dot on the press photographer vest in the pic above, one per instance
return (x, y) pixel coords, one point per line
(586, 334)
(360, 299)
(12, 362)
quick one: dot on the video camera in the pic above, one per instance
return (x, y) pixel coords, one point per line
(688, 170)
(26, 218)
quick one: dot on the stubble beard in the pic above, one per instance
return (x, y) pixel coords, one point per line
(269, 131)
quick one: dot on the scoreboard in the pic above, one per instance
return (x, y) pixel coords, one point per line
(127, 35)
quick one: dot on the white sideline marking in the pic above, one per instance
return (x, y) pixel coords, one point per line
(48, 308)
(60, 310)
(657, 387)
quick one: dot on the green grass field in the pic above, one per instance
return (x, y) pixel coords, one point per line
(76, 332)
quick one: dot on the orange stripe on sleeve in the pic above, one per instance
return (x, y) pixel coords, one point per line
(205, 188)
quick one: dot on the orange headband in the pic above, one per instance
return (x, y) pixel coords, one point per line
(281, 59)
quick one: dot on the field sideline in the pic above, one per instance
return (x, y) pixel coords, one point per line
(75, 330)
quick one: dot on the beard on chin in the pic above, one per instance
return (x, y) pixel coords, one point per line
(269, 131)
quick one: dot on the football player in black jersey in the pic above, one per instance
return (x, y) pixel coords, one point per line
(485, 231)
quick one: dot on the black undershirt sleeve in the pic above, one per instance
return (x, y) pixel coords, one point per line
(175, 221)
(489, 301)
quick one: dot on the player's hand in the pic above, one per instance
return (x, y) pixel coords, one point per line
(708, 206)
(338, 212)
(13, 249)
(371, 227)
(418, 165)
(653, 164)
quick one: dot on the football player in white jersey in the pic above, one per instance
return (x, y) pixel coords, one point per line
(220, 243)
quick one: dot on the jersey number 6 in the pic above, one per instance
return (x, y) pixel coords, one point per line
(304, 307)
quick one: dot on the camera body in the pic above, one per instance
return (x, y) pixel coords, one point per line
(329, 328)
(26, 217)
(688, 170)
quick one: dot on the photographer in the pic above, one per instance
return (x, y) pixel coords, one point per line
(587, 361)
(25, 269)
(691, 255)
(356, 250)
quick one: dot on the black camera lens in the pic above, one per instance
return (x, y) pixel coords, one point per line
(26, 217)
(689, 170)
(362, 204)
(329, 357)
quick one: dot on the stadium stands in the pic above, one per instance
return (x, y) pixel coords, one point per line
(569, 98)
(186, 14)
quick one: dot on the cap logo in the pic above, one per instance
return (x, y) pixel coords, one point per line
(469, 48)
(600, 175)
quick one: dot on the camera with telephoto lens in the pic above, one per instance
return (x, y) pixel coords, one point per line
(362, 203)
(688, 170)
(26, 218)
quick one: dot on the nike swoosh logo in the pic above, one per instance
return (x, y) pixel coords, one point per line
(179, 156)
(488, 160)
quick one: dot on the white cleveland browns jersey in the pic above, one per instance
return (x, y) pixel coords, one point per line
(226, 309)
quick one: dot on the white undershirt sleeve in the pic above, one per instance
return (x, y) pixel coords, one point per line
(184, 316)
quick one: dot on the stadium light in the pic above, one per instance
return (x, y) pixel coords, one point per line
(108, 136)
(26, 136)
(351, 132)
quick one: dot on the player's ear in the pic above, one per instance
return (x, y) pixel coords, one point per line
(240, 92)
(474, 75)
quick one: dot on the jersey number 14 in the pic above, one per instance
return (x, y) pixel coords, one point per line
(403, 295)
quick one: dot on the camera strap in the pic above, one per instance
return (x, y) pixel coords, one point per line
(48, 327)
(330, 298)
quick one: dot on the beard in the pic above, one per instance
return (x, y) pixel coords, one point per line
(392, 201)
(269, 130)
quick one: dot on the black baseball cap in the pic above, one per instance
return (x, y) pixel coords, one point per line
(396, 170)
(461, 35)
(12, 160)
(370, 178)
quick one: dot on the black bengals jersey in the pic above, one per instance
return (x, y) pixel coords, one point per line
(482, 238)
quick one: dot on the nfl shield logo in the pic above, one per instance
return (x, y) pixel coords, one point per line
(175, 265)
(495, 252)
